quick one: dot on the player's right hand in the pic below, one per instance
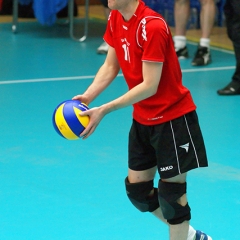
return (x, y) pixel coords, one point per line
(81, 98)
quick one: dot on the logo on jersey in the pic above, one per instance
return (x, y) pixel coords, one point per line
(125, 46)
(155, 118)
(144, 33)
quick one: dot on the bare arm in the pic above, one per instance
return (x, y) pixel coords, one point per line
(105, 75)
(151, 78)
(151, 74)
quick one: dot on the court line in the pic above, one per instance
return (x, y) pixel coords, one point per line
(46, 79)
(209, 69)
(91, 77)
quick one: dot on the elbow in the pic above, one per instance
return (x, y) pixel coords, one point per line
(151, 88)
(152, 91)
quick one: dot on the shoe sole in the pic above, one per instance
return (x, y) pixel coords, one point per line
(195, 64)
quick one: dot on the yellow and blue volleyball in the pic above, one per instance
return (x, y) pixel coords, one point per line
(67, 120)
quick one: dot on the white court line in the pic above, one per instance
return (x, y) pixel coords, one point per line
(208, 69)
(49, 79)
(45, 79)
(88, 77)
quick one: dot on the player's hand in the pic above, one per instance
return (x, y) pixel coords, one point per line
(95, 114)
(81, 98)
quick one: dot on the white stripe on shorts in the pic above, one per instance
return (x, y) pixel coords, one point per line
(175, 146)
(191, 140)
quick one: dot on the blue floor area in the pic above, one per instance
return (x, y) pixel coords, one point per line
(55, 189)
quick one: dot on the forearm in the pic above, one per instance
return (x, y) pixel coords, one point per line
(136, 94)
(103, 78)
(147, 88)
(151, 75)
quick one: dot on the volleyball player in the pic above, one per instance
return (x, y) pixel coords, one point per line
(165, 136)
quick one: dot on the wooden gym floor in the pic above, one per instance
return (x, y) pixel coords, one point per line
(219, 36)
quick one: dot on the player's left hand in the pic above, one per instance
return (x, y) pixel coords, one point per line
(96, 115)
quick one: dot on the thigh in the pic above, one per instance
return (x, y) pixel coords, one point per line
(179, 146)
(141, 154)
(181, 178)
(141, 176)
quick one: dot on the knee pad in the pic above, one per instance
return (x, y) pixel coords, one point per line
(138, 194)
(168, 194)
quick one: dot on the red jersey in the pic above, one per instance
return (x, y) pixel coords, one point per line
(146, 37)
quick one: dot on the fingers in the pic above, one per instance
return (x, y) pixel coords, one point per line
(77, 97)
(92, 125)
(87, 132)
(95, 116)
(81, 98)
(84, 113)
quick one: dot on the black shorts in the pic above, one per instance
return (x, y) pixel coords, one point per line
(175, 147)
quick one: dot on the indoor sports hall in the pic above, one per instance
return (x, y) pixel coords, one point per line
(56, 189)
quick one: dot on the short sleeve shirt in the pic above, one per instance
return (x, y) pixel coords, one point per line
(146, 37)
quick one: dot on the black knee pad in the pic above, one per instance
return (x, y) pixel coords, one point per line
(138, 194)
(168, 194)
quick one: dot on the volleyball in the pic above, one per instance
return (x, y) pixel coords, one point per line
(67, 120)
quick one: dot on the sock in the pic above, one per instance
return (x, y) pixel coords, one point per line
(205, 42)
(179, 42)
(191, 233)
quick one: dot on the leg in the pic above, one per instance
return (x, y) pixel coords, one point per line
(181, 16)
(146, 201)
(141, 176)
(146, 176)
(232, 13)
(179, 231)
(207, 16)
(169, 201)
(172, 187)
(175, 208)
(103, 48)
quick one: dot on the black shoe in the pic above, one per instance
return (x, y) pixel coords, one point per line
(182, 53)
(202, 56)
(233, 88)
